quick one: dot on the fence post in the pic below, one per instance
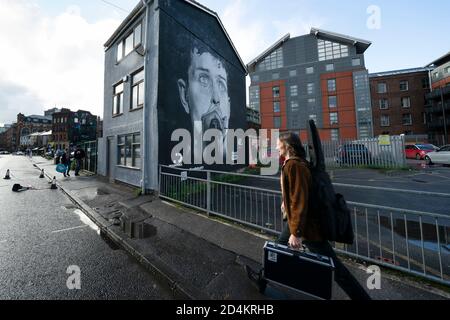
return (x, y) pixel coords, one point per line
(208, 193)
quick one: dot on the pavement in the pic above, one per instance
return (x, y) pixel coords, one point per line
(43, 233)
(200, 257)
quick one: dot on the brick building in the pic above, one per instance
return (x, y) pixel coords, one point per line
(398, 101)
(70, 128)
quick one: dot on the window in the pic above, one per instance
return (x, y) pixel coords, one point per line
(424, 115)
(329, 67)
(406, 102)
(331, 50)
(294, 91)
(310, 70)
(436, 75)
(425, 83)
(334, 134)
(120, 51)
(356, 62)
(334, 118)
(293, 73)
(129, 150)
(404, 85)
(276, 92)
(138, 35)
(313, 117)
(83, 121)
(276, 76)
(254, 98)
(273, 61)
(385, 121)
(75, 120)
(276, 107)
(118, 99)
(384, 104)
(294, 106)
(407, 119)
(311, 102)
(382, 87)
(277, 122)
(255, 78)
(332, 102)
(447, 70)
(331, 85)
(310, 88)
(138, 91)
(128, 44)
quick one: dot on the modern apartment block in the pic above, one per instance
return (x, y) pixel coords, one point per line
(438, 101)
(320, 76)
(169, 66)
(398, 101)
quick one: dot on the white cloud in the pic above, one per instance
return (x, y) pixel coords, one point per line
(56, 61)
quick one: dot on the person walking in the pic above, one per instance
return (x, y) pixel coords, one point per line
(65, 160)
(79, 156)
(301, 226)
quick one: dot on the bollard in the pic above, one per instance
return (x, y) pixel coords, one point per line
(7, 176)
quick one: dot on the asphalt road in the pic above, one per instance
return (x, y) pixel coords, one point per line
(42, 234)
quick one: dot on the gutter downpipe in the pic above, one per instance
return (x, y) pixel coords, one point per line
(145, 112)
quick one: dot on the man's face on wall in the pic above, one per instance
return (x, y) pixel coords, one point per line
(205, 96)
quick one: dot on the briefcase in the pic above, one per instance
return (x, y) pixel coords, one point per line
(300, 270)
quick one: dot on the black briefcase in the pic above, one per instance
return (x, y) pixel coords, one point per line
(300, 270)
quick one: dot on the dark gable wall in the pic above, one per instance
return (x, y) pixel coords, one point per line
(181, 24)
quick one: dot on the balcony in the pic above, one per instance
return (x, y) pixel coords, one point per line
(438, 123)
(436, 94)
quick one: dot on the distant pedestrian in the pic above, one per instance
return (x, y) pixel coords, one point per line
(65, 160)
(79, 156)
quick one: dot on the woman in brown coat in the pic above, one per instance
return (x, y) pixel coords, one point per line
(301, 227)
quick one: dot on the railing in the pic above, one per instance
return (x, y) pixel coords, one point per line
(410, 241)
(365, 153)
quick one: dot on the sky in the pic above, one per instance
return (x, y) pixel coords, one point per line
(52, 51)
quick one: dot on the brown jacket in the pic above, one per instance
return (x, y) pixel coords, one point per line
(295, 186)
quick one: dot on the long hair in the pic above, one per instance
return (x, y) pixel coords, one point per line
(293, 144)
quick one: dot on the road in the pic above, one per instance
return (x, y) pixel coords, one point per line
(42, 234)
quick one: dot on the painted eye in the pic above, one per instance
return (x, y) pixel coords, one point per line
(222, 86)
(204, 80)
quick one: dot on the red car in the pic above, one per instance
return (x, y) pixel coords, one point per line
(418, 151)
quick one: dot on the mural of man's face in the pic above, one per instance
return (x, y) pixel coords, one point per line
(205, 96)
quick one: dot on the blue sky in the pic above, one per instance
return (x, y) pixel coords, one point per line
(66, 38)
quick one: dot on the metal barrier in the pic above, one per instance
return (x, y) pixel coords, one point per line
(90, 161)
(409, 241)
(365, 153)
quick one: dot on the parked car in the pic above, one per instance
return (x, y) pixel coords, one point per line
(419, 151)
(19, 153)
(353, 154)
(441, 156)
(4, 152)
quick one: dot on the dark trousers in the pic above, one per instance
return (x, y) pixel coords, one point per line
(342, 276)
(78, 167)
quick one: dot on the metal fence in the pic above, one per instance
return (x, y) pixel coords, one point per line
(409, 241)
(90, 161)
(366, 153)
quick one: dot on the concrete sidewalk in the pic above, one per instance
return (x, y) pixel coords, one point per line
(200, 258)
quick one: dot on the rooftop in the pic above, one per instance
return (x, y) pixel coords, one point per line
(140, 8)
(360, 44)
(440, 61)
(398, 72)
